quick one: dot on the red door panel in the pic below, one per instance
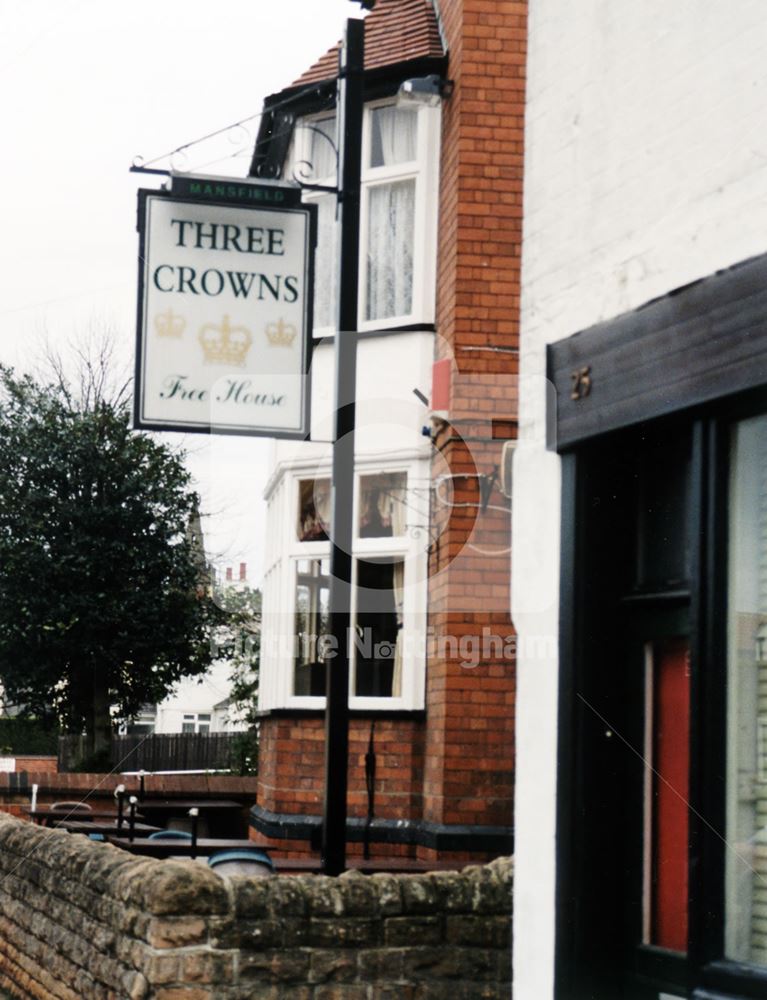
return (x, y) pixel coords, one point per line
(671, 759)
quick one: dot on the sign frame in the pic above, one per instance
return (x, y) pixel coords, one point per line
(279, 199)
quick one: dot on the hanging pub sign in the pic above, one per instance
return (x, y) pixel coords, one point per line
(224, 311)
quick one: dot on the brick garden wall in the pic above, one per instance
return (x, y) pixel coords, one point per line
(35, 763)
(291, 771)
(98, 789)
(86, 921)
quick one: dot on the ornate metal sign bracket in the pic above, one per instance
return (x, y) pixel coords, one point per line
(305, 168)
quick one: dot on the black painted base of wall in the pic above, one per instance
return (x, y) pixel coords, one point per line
(437, 836)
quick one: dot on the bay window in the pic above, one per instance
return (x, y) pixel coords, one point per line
(312, 626)
(377, 621)
(388, 593)
(398, 213)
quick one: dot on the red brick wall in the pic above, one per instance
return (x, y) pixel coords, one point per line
(37, 765)
(291, 769)
(457, 767)
(470, 710)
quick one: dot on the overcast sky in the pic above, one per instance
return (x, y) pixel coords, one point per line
(87, 87)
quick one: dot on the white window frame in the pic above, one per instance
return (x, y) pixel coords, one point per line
(196, 719)
(280, 593)
(424, 170)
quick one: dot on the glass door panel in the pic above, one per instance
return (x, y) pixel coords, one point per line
(746, 855)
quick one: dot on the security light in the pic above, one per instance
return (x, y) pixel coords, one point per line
(426, 90)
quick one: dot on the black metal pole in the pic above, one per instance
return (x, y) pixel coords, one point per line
(350, 105)
(194, 812)
(120, 795)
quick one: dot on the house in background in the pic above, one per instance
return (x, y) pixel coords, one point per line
(432, 675)
(198, 704)
(640, 506)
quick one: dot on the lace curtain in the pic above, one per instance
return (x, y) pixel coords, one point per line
(391, 209)
(325, 264)
(393, 136)
(322, 153)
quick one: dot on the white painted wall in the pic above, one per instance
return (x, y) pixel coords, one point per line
(646, 169)
(389, 417)
(193, 696)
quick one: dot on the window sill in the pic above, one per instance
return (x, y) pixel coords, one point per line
(414, 714)
(371, 330)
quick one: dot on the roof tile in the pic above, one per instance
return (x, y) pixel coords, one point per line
(395, 31)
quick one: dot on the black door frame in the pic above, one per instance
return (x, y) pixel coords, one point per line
(717, 377)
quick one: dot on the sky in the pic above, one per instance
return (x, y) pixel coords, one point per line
(87, 88)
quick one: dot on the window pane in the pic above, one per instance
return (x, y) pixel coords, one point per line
(663, 500)
(326, 263)
(320, 149)
(140, 729)
(392, 136)
(746, 857)
(313, 510)
(389, 277)
(378, 629)
(382, 505)
(312, 628)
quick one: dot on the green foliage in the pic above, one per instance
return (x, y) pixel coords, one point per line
(239, 641)
(94, 762)
(243, 755)
(102, 599)
(28, 736)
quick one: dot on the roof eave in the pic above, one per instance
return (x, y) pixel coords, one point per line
(282, 108)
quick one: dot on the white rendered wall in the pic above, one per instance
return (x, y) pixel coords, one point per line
(389, 417)
(193, 696)
(646, 169)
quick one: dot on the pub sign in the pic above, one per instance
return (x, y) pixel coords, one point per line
(224, 311)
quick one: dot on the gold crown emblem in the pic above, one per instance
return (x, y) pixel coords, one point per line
(168, 324)
(225, 344)
(281, 334)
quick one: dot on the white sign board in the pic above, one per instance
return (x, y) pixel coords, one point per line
(224, 312)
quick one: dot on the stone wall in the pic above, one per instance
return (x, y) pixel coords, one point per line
(86, 921)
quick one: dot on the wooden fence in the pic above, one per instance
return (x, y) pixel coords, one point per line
(166, 752)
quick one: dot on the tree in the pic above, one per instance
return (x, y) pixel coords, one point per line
(103, 597)
(238, 640)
